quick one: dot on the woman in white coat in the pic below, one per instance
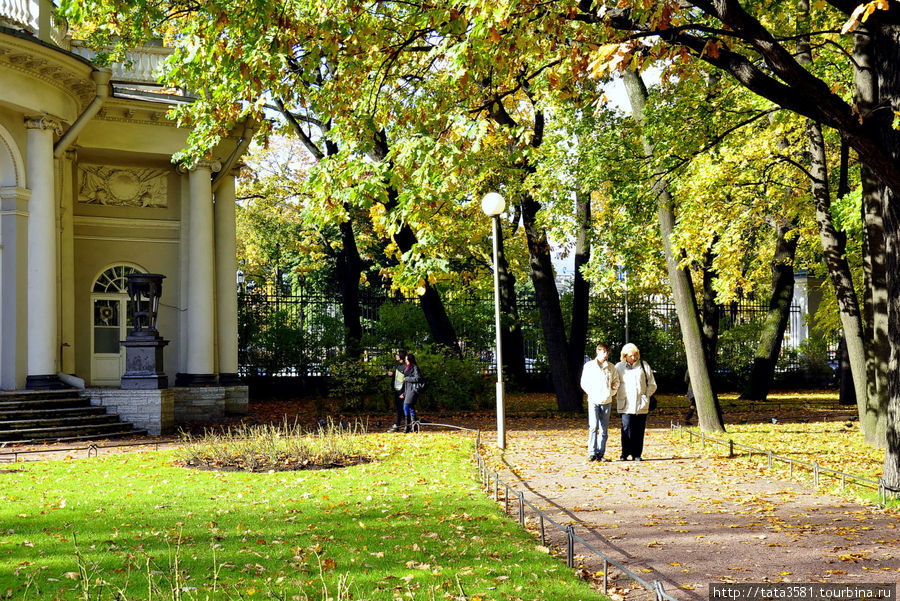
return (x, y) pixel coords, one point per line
(636, 384)
(600, 380)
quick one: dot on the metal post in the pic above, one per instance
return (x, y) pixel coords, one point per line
(506, 499)
(498, 356)
(605, 575)
(816, 472)
(543, 535)
(521, 508)
(770, 459)
(570, 546)
(730, 448)
(496, 487)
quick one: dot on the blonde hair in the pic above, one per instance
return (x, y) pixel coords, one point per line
(628, 349)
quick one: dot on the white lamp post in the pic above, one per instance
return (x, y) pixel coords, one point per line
(493, 204)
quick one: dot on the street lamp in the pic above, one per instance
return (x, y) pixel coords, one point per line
(493, 204)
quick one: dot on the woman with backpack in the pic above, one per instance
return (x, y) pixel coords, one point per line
(413, 383)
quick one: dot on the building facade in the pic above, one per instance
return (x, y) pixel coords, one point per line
(88, 194)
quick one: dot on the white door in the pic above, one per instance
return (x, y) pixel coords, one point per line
(110, 322)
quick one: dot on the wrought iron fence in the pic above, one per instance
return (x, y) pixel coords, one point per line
(295, 335)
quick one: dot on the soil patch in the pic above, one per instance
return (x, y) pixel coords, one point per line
(281, 467)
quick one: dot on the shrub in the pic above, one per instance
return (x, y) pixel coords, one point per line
(454, 383)
(261, 448)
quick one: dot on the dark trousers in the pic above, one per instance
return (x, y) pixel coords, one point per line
(398, 407)
(633, 427)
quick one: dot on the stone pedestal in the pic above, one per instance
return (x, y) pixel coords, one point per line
(153, 410)
(143, 363)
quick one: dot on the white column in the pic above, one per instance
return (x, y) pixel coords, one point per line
(226, 283)
(13, 287)
(200, 366)
(43, 343)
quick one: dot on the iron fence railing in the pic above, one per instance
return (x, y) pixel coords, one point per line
(292, 335)
(817, 471)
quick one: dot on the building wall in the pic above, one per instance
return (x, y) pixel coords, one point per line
(118, 200)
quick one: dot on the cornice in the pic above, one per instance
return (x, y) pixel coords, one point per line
(124, 223)
(123, 111)
(54, 67)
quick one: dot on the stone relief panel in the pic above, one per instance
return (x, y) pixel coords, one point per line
(123, 187)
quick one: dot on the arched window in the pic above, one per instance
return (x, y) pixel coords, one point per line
(113, 281)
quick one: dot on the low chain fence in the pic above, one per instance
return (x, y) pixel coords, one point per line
(885, 493)
(93, 450)
(491, 480)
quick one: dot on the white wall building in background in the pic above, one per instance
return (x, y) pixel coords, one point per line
(89, 193)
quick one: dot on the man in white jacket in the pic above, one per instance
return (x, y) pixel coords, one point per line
(600, 380)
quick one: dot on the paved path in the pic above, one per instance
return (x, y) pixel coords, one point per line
(688, 519)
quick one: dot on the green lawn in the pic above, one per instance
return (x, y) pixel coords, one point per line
(411, 525)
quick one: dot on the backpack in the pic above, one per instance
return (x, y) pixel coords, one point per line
(653, 403)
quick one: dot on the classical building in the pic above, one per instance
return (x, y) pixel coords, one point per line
(89, 194)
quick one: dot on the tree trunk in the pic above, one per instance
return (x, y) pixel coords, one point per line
(779, 312)
(833, 249)
(432, 306)
(568, 394)
(511, 329)
(349, 268)
(833, 242)
(708, 412)
(581, 288)
(846, 394)
(886, 51)
(873, 413)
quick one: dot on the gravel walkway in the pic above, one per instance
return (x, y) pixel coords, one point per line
(689, 520)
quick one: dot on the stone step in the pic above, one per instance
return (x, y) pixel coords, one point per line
(47, 408)
(61, 433)
(39, 395)
(90, 419)
(49, 412)
(104, 436)
(42, 404)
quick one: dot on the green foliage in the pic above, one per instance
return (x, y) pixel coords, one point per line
(813, 358)
(358, 385)
(454, 383)
(737, 349)
(286, 338)
(650, 326)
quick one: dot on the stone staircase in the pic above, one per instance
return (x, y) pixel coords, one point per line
(56, 416)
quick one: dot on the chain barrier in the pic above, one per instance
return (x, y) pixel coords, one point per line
(885, 493)
(93, 450)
